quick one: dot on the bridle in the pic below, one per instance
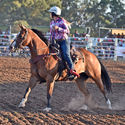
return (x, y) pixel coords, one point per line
(23, 38)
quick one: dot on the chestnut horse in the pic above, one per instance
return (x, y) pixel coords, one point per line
(44, 67)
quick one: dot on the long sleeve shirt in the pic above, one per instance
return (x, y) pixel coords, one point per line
(60, 33)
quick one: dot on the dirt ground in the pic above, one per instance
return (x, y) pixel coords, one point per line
(67, 102)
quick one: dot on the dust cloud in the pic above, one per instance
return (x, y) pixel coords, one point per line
(120, 103)
(78, 103)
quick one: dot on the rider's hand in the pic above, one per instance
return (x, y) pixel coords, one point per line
(55, 27)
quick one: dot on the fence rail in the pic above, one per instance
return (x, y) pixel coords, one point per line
(103, 48)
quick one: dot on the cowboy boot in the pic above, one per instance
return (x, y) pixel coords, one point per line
(72, 72)
(73, 75)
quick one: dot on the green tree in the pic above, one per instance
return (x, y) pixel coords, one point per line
(16, 28)
(70, 9)
(33, 11)
(117, 13)
(94, 13)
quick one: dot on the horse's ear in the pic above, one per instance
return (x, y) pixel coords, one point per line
(22, 27)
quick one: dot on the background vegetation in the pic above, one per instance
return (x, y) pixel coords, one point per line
(82, 13)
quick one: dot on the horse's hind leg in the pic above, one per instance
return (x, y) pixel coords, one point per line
(32, 84)
(100, 85)
(82, 87)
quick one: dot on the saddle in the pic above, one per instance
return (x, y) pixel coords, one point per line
(75, 55)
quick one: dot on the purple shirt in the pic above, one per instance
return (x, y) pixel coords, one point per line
(63, 30)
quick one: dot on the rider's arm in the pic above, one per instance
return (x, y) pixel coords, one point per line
(64, 27)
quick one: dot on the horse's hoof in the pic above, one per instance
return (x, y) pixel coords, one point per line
(21, 105)
(109, 104)
(84, 107)
(110, 107)
(47, 109)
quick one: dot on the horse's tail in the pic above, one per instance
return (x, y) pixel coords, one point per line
(105, 78)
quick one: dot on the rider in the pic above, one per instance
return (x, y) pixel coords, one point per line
(59, 30)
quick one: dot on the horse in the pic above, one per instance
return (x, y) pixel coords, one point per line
(44, 67)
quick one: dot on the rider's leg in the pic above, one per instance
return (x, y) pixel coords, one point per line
(65, 47)
(55, 49)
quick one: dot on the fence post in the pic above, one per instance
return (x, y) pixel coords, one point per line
(10, 35)
(115, 49)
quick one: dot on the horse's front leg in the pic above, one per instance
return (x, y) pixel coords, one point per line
(32, 84)
(50, 85)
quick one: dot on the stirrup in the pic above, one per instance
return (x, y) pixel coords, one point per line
(71, 77)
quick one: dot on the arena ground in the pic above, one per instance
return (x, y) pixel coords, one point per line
(67, 100)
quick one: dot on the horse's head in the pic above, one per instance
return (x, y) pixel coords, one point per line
(22, 39)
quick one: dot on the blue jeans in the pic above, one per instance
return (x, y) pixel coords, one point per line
(65, 49)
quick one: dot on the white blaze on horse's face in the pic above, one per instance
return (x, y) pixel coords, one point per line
(21, 39)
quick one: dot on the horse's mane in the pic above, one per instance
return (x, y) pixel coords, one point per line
(41, 36)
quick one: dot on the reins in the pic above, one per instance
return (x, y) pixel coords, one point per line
(43, 55)
(38, 57)
(35, 59)
(40, 49)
